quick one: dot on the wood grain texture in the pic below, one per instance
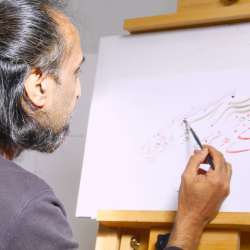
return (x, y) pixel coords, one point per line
(194, 5)
(215, 239)
(192, 14)
(146, 219)
(125, 242)
(108, 238)
(212, 239)
(101, 237)
(245, 241)
(148, 238)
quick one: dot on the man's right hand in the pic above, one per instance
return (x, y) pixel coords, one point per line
(200, 197)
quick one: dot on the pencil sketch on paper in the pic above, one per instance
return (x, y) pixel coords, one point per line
(223, 123)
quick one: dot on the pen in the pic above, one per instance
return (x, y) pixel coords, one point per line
(208, 158)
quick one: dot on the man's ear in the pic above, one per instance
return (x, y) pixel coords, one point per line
(35, 87)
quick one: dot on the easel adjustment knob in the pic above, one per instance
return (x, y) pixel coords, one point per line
(134, 244)
(162, 241)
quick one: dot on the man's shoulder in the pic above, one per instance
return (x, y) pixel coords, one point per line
(17, 185)
(18, 189)
(30, 213)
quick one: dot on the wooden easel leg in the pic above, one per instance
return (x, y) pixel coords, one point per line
(108, 238)
(212, 239)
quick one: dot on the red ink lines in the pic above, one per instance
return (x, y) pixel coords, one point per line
(171, 125)
(239, 137)
(235, 152)
(215, 111)
(180, 119)
(243, 138)
(227, 140)
(162, 138)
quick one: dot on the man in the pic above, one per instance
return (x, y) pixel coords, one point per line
(40, 59)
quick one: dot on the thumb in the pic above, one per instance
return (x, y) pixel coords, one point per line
(196, 160)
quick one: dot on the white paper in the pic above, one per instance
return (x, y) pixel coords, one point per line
(137, 146)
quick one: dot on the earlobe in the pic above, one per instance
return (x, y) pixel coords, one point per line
(35, 89)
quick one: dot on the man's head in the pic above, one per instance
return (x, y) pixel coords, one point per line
(40, 58)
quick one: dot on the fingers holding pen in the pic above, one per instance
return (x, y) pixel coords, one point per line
(217, 158)
(225, 168)
(229, 171)
(221, 166)
(221, 176)
(195, 161)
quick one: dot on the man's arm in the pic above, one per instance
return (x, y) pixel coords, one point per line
(200, 197)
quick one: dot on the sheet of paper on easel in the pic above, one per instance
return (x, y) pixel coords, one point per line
(138, 146)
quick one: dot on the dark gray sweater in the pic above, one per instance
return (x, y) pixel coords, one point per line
(31, 216)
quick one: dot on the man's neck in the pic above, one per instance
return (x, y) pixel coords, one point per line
(11, 154)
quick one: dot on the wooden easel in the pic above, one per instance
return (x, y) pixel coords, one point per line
(193, 13)
(228, 231)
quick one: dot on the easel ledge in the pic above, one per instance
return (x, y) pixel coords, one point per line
(193, 13)
(147, 219)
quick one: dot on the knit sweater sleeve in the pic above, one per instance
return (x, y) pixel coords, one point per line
(41, 225)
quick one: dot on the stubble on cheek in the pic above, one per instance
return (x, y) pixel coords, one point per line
(60, 112)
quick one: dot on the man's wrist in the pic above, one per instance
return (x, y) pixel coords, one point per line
(186, 233)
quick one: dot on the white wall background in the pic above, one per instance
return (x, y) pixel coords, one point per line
(62, 169)
(106, 17)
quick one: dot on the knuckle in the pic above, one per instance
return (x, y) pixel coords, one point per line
(216, 179)
(217, 182)
(221, 155)
(225, 188)
(229, 166)
(183, 176)
(192, 157)
(229, 170)
(220, 186)
(218, 154)
(228, 191)
(225, 166)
